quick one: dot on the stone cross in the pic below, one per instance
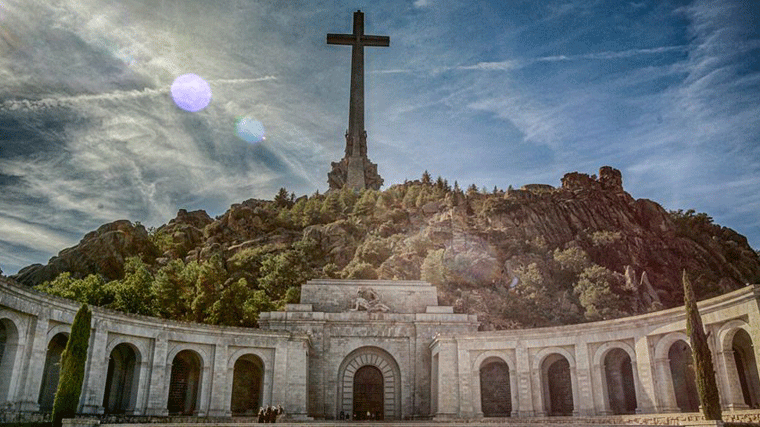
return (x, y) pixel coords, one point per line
(355, 169)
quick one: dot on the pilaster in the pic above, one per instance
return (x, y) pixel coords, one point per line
(525, 399)
(157, 386)
(36, 352)
(585, 400)
(646, 390)
(91, 401)
(220, 384)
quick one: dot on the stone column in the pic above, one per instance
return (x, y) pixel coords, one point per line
(279, 390)
(158, 387)
(601, 400)
(477, 409)
(448, 390)
(643, 379)
(220, 402)
(206, 382)
(584, 405)
(142, 370)
(31, 378)
(731, 397)
(667, 395)
(523, 388)
(466, 383)
(296, 403)
(91, 401)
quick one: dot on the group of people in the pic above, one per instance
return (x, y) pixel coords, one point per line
(270, 414)
(360, 416)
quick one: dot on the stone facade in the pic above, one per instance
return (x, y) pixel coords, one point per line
(377, 349)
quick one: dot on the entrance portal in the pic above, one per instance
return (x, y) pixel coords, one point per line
(369, 381)
(368, 394)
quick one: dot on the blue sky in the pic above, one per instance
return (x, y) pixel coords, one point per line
(495, 93)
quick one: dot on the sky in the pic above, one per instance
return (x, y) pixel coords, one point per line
(494, 93)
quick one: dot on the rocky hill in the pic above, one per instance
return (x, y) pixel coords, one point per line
(535, 256)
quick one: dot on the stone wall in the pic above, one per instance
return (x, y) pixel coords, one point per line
(641, 344)
(32, 319)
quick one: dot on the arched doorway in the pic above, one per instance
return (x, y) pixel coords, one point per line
(746, 368)
(8, 346)
(184, 383)
(118, 397)
(495, 395)
(618, 373)
(558, 397)
(52, 371)
(368, 394)
(247, 385)
(351, 374)
(682, 374)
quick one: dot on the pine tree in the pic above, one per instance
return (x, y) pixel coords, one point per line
(73, 361)
(703, 365)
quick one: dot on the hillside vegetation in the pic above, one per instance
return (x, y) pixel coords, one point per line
(536, 256)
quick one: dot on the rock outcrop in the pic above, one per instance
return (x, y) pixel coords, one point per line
(477, 247)
(102, 252)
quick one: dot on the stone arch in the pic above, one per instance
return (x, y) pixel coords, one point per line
(122, 378)
(683, 376)
(386, 364)
(740, 365)
(52, 368)
(267, 369)
(512, 379)
(247, 384)
(666, 395)
(10, 327)
(495, 388)
(617, 378)
(557, 381)
(185, 381)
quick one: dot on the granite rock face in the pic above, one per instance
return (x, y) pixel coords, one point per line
(474, 246)
(102, 252)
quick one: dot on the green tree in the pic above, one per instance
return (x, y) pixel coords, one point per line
(365, 207)
(595, 292)
(283, 199)
(230, 309)
(90, 290)
(290, 268)
(173, 287)
(133, 293)
(426, 179)
(331, 207)
(211, 276)
(703, 365)
(432, 269)
(73, 361)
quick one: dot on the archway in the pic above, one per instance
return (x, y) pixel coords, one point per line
(368, 394)
(621, 390)
(746, 368)
(382, 362)
(247, 385)
(184, 383)
(495, 393)
(8, 346)
(118, 397)
(558, 398)
(682, 374)
(52, 371)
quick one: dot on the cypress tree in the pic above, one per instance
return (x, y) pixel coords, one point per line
(703, 365)
(73, 361)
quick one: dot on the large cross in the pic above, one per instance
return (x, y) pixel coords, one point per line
(356, 143)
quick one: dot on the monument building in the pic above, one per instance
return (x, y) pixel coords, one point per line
(378, 350)
(383, 350)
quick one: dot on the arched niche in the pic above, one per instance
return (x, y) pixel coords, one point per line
(247, 385)
(52, 371)
(495, 388)
(122, 379)
(185, 383)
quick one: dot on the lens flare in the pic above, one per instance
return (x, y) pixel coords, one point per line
(190, 92)
(250, 130)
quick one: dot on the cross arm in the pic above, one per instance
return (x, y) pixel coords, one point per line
(376, 41)
(341, 39)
